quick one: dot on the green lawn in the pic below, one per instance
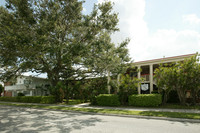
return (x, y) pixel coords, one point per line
(170, 106)
(178, 106)
(113, 111)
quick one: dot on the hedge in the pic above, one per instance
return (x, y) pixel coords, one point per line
(107, 100)
(30, 99)
(145, 100)
(48, 99)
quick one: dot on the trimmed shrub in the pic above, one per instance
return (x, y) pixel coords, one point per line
(9, 99)
(30, 99)
(145, 100)
(48, 99)
(107, 100)
(154, 92)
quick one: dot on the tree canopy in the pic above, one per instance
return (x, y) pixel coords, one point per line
(55, 37)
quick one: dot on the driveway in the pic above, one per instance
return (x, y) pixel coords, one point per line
(26, 120)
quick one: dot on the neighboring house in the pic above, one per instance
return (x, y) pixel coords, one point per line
(148, 68)
(28, 85)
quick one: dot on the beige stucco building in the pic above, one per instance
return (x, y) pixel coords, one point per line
(148, 68)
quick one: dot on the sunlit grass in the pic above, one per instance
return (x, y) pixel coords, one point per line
(113, 111)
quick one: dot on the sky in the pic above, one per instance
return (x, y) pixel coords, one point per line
(157, 28)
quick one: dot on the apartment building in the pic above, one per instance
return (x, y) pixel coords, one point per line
(148, 67)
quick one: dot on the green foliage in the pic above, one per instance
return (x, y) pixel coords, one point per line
(182, 76)
(88, 89)
(9, 99)
(109, 59)
(48, 99)
(55, 37)
(107, 100)
(166, 78)
(30, 99)
(57, 91)
(145, 100)
(96, 86)
(81, 90)
(128, 86)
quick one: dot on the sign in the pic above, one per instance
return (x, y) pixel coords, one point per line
(144, 87)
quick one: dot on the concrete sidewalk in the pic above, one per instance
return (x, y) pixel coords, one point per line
(87, 105)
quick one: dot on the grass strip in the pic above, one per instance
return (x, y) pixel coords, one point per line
(178, 106)
(112, 111)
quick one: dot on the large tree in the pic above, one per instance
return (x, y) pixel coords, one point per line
(108, 58)
(51, 36)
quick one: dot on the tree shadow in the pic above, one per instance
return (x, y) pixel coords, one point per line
(16, 119)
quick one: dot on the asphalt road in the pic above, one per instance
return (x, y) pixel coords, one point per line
(26, 120)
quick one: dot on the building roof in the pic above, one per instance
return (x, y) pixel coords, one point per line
(164, 60)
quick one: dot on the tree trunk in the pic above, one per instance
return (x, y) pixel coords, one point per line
(181, 96)
(193, 93)
(165, 98)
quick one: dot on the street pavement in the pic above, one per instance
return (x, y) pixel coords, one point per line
(27, 120)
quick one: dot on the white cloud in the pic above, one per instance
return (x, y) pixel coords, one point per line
(191, 18)
(171, 43)
(131, 23)
(84, 10)
(143, 45)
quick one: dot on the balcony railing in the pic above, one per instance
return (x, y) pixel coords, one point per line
(145, 77)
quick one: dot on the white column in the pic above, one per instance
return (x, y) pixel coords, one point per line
(151, 77)
(31, 93)
(139, 75)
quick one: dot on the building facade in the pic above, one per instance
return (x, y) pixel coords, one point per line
(148, 67)
(28, 85)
